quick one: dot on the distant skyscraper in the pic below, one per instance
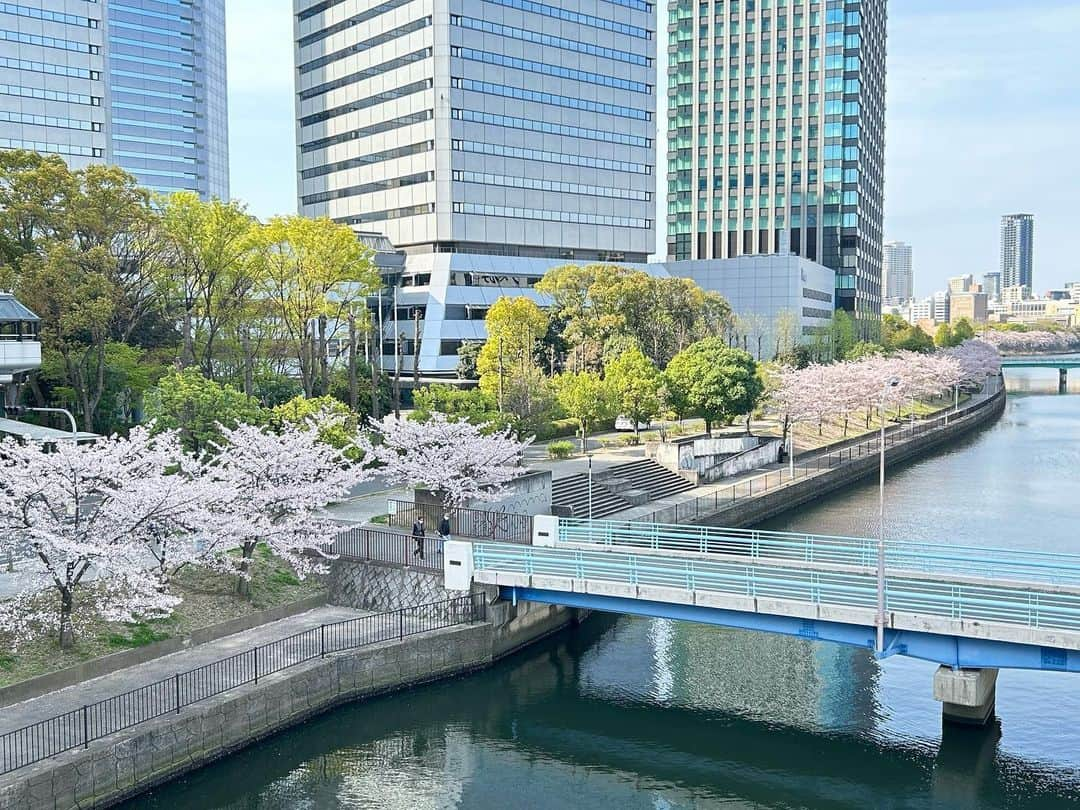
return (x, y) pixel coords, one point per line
(776, 132)
(992, 285)
(1017, 247)
(138, 83)
(961, 284)
(485, 127)
(898, 281)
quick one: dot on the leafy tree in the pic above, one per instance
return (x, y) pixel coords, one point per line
(313, 271)
(468, 355)
(634, 383)
(914, 339)
(943, 337)
(585, 399)
(507, 361)
(33, 190)
(337, 422)
(841, 334)
(963, 330)
(213, 273)
(197, 407)
(864, 349)
(798, 356)
(472, 405)
(714, 382)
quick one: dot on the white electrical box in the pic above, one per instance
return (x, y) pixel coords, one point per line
(545, 531)
(457, 566)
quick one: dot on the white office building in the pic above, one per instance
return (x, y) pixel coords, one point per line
(898, 280)
(498, 127)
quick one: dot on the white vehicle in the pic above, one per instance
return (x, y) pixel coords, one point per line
(626, 423)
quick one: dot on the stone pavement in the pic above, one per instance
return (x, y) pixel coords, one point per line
(89, 692)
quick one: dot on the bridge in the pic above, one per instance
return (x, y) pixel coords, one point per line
(1062, 363)
(973, 611)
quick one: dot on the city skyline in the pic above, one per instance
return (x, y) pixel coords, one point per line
(979, 71)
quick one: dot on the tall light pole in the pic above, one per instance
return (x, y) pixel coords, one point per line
(892, 383)
(589, 455)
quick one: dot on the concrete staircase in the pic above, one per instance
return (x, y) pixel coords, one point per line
(615, 489)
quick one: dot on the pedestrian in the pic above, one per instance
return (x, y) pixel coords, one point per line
(444, 530)
(418, 536)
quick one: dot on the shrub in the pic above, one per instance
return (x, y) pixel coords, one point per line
(560, 449)
(631, 440)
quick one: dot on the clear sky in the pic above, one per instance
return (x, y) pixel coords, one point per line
(983, 119)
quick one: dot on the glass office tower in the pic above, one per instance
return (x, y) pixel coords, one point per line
(507, 127)
(138, 83)
(776, 119)
(1017, 250)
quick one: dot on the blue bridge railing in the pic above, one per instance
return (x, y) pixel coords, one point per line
(779, 547)
(1005, 603)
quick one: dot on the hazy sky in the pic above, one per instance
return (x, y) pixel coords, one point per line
(983, 119)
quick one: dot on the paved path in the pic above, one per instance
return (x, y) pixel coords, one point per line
(89, 692)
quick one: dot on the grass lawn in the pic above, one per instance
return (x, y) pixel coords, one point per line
(209, 598)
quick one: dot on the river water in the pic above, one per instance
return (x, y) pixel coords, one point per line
(627, 713)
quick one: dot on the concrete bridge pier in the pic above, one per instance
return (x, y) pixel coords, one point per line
(1063, 380)
(967, 696)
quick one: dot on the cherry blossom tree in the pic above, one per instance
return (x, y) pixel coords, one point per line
(1034, 342)
(82, 515)
(459, 461)
(272, 487)
(978, 359)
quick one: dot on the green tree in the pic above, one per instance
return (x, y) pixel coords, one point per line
(339, 431)
(187, 401)
(634, 383)
(712, 381)
(963, 330)
(585, 398)
(313, 272)
(864, 349)
(468, 354)
(472, 405)
(943, 337)
(507, 361)
(893, 328)
(842, 335)
(213, 274)
(913, 339)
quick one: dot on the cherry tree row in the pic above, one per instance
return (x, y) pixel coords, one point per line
(820, 392)
(101, 529)
(1033, 342)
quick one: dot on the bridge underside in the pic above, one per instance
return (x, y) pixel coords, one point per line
(950, 651)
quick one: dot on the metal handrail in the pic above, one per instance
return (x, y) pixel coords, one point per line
(1009, 604)
(79, 727)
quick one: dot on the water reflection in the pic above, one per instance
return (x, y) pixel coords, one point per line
(635, 713)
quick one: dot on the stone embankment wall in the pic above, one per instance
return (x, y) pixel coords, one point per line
(380, 586)
(146, 755)
(805, 490)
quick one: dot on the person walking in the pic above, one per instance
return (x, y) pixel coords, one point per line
(444, 530)
(418, 536)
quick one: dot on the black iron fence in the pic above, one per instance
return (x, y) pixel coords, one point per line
(505, 527)
(362, 543)
(80, 727)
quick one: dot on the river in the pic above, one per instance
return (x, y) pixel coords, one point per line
(626, 713)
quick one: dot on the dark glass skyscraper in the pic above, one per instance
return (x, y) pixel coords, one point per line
(776, 135)
(1017, 250)
(139, 83)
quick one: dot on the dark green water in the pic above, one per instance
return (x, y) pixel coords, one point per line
(634, 713)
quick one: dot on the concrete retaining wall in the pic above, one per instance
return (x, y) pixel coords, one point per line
(379, 586)
(130, 762)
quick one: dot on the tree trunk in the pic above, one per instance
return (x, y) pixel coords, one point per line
(416, 349)
(243, 582)
(397, 379)
(187, 354)
(249, 362)
(67, 632)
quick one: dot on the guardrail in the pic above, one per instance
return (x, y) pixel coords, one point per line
(78, 728)
(366, 544)
(932, 598)
(506, 527)
(812, 464)
(780, 547)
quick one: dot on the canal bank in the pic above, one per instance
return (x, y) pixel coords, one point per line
(636, 714)
(150, 753)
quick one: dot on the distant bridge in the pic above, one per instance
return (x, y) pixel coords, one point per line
(972, 610)
(1062, 363)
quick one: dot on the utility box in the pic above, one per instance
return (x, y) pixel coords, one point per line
(545, 531)
(457, 566)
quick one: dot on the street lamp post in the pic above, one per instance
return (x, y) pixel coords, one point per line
(589, 456)
(892, 383)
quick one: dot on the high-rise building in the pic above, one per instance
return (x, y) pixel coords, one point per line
(499, 127)
(961, 284)
(898, 281)
(140, 84)
(970, 305)
(776, 119)
(992, 285)
(1017, 248)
